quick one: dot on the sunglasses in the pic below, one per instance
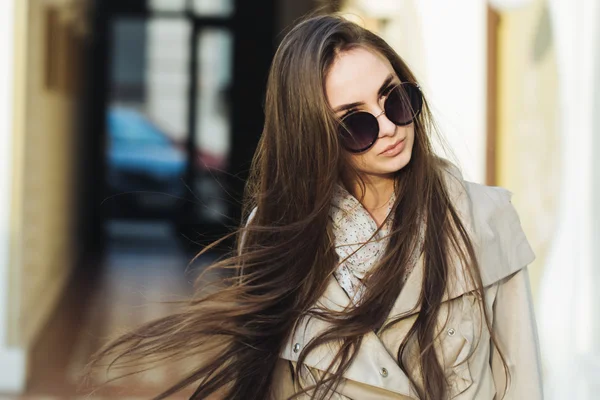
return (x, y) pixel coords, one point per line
(359, 130)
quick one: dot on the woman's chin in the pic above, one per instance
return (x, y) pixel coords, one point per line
(394, 164)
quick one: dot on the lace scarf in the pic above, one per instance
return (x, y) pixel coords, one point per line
(353, 226)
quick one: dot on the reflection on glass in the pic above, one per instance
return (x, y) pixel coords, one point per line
(146, 117)
(128, 61)
(167, 74)
(166, 5)
(213, 8)
(213, 136)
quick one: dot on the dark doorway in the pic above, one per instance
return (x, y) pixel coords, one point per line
(177, 98)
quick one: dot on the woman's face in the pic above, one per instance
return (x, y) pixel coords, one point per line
(357, 76)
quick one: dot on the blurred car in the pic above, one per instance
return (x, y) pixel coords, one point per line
(145, 168)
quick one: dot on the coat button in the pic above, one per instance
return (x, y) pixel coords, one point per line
(296, 347)
(383, 372)
(451, 332)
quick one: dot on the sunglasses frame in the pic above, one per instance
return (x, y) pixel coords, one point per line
(376, 136)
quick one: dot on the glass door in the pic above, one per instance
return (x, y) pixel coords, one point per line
(211, 134)
(146, 117)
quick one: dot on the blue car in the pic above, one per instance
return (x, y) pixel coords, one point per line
(145, 167)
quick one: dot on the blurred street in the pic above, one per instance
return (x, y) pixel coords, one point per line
(144, 266)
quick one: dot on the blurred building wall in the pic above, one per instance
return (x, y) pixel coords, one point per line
(527, 120)
(548, 145)
(48, 38)
(529, 160)
(569, 303)
(12, 358)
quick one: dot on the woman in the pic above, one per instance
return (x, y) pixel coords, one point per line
(368, 269)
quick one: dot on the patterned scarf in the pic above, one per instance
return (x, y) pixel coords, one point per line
(355, 243)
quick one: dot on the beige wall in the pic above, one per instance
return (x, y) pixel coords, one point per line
(401, 28)
(528, 139)
(43, 181)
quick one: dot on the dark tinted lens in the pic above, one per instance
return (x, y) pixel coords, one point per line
(359, 131)
(403, 104)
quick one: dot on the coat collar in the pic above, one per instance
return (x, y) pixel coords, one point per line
(501, 249)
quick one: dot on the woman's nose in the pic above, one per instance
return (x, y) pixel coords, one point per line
(386, 127)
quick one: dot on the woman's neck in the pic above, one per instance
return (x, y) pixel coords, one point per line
(377, 194)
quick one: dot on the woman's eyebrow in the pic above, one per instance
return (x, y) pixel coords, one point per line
(382, 88)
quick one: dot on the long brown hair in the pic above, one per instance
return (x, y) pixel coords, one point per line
(287, 255)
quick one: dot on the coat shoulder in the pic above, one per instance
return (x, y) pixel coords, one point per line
(493, 223)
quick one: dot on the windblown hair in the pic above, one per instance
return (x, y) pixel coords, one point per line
(287, 255)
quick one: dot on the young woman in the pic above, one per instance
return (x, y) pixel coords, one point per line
(368, 268)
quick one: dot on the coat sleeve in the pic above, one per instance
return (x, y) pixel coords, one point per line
(515, 329)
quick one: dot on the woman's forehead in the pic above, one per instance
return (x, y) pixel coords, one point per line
(356, 76)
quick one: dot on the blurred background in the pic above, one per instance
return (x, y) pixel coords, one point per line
(127, 128)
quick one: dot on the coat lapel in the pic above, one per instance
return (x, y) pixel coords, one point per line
(500, 244)
(459, 281)
(373, 364)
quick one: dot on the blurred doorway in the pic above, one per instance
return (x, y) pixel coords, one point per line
(178, 111)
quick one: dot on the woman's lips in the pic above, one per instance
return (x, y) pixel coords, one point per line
(394, 151)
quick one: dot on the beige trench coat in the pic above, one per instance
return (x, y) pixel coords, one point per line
(503, 253)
